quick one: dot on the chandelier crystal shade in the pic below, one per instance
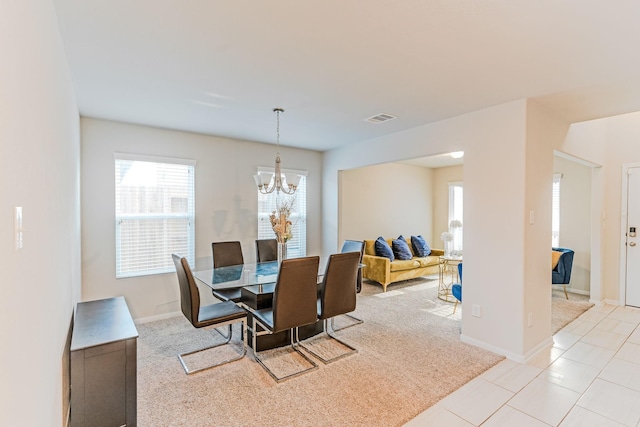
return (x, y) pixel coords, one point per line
(285, 183)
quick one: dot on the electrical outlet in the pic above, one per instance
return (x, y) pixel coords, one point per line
(476, 310)
(530, 323)
(17, 227)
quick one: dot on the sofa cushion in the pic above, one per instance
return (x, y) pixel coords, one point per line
(420, 246)
(426, 261)
(401, 249)
(399, 265)
(383, 249)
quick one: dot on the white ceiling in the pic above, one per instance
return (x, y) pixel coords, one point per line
(220, 67)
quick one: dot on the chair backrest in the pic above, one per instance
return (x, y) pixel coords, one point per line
(266, 250)
(460, 271)
(295, 294)
(355, 246)
(189, 294)
(226, 253)
(337, 294)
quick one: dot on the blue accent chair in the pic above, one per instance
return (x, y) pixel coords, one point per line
(561, 274)
(456, 289)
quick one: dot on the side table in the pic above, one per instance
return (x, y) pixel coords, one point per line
(448, 275)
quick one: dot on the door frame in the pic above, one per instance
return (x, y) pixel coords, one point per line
(622, 285)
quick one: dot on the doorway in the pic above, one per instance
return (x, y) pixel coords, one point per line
(631, 252)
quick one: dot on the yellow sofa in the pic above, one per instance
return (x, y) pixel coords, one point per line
(385, 271)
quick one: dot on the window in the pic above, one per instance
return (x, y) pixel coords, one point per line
(555, 211)
(154, 214)
(455, 213)
(297, 245)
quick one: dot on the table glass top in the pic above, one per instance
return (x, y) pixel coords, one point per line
(236, 276)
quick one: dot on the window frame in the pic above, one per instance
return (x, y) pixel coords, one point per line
(121, 272)
(454, 214)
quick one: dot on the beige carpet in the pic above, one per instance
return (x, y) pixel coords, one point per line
(564, 310)
(410, 356)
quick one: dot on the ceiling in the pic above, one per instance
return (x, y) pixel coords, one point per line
(220, 67)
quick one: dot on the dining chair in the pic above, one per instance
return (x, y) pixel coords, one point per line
(337, 296)
(294, 305)
(226, 254)
(352, 246)
(266, 250)
(216, 315)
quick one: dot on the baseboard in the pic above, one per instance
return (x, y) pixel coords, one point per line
(612, 302)
(578, 291)
(519, 358)
(157, 317)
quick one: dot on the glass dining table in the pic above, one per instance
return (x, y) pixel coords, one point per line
(257, 283)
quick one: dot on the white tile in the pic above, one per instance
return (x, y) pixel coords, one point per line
(635, 336)
(580, 417)
(545, 358)
(579, 327)
(604, 308)
(437, 416)
(563, 339)
(622, 372)
(604, 339)
(589, 354)
(629, 352)
(612, 401)
(626, 314)
(508, 416)
(570, 374)
(545, 401)
(515, 379)
(616, 326)
(476, 400)
(499, 370)
(593, 316)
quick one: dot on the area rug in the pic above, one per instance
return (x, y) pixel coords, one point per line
(564, 311)
(409, 357)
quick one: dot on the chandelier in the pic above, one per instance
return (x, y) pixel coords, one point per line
(286, 183)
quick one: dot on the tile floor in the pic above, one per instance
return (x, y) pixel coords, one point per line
(591, 377)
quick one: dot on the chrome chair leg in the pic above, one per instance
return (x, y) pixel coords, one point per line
(294, 339)
(324, 360)
(355, 322)
(227, 340)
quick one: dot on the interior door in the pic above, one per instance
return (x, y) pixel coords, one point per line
(632, 247)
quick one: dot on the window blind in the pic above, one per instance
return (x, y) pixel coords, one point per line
(155, 214)
(297, 245)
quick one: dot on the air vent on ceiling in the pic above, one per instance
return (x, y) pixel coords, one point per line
(380, 118)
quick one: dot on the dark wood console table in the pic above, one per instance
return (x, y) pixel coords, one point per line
(103, 364)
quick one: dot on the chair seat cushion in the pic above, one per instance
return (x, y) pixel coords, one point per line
(232, 294)
(219, 313)
(399, 265)
(264, 316)
(456, 291)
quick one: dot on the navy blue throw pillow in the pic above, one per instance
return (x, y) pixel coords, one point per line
(383, 249)
(401, 249)
(420, 246)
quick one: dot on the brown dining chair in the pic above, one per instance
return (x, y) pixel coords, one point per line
(294, 305)
(226, 254)
(266, 250)
(216, 315)
(352, 246)
(337, 297)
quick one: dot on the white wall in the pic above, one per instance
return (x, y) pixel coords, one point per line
(386, 200)
(496, 214)
(39, 170)
(226, 203)
(575, 218)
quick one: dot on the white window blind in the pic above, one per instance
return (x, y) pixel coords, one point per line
(297, 245)
(155, 214)
(455, 212)
(555, 211)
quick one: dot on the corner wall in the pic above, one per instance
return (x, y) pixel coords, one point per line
(39, 171)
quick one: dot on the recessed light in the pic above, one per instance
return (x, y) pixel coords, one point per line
(457, 154)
